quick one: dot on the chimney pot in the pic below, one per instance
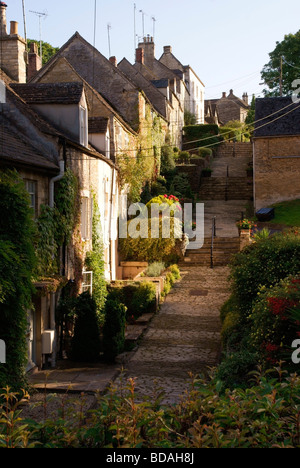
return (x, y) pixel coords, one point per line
(224, 95)
(113, 61)
(14, 28)
(3, 24)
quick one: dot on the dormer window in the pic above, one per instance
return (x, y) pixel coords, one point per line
(83, 122)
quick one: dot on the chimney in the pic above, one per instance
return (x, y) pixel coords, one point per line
(13, 54)
(113, 61)
(14, 28)
(3, 24)
(149, 51)
(245, 99)
(140, 56)
(224, 95)
(167, 49)
(34, 61)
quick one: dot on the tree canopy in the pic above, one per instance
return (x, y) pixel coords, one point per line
(48, 49)
(287, 51)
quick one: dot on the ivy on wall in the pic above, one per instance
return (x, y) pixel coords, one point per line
(56, 225)
(135, 172)
(17, 262)
(95, 262)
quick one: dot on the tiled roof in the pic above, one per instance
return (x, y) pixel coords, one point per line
(16, 148)
(50, 93)
(280, 117)
(98, 124)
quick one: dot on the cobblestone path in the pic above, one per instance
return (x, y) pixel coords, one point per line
(184, 336)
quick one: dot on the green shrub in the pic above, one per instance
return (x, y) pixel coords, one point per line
(144, 299)
(263, 416)
(114, 329)
(196, 136)
(174, 269)
(155, 269)
(264, 263)
(86, 344)
(17, 264)
(185, 156)
(275, 322)
(234, 371)
(150, 250)
(167, 160)
(203, 152)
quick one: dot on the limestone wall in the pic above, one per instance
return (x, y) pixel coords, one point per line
(276, 170)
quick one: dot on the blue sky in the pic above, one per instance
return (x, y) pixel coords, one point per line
(226, 42)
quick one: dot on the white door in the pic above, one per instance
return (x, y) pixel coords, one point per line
(31, 340)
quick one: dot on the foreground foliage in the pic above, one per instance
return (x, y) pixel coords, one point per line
(263, 416)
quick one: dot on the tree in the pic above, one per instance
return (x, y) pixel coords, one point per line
(283, 67)
(48, 49)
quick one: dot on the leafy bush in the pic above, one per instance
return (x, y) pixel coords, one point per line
(263, 416)
(203, 152)
(275, 322)
(185, 156)
(174, 269)
(86, 344)
(201, 136)
(257, 268)
(17, 263)
(264, 263)
(95, 262)
(144, 299)
(155, 269)
(167, 160)
(114, 329)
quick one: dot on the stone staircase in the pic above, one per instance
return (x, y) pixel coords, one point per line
(223, 188)
(224, 248)
(229, 179)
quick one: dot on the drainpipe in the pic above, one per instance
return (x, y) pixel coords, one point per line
(56, 179)
(53, 295)
(110, 224)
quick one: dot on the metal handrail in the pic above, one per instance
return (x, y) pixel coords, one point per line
(227, 180)
(213, 235)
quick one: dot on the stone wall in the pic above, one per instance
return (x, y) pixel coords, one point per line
(276, 170)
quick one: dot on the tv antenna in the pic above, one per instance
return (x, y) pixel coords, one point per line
(40, 15)
(108, 33)
(154, 21)
(143, 20)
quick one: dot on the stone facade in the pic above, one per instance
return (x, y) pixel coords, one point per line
(276, 150)
(277, 170)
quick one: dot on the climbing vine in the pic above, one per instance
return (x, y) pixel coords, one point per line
(17, 261)
(135, 172)
(55, 225)
(95, 262)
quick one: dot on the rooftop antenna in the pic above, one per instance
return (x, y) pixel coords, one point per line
(154, 21)
(135, 35)
(40, 15)
(24, 21)
(108, 33)
(143, 20)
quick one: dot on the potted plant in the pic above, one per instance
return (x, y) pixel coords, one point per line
(245, 225)
(207, 172)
